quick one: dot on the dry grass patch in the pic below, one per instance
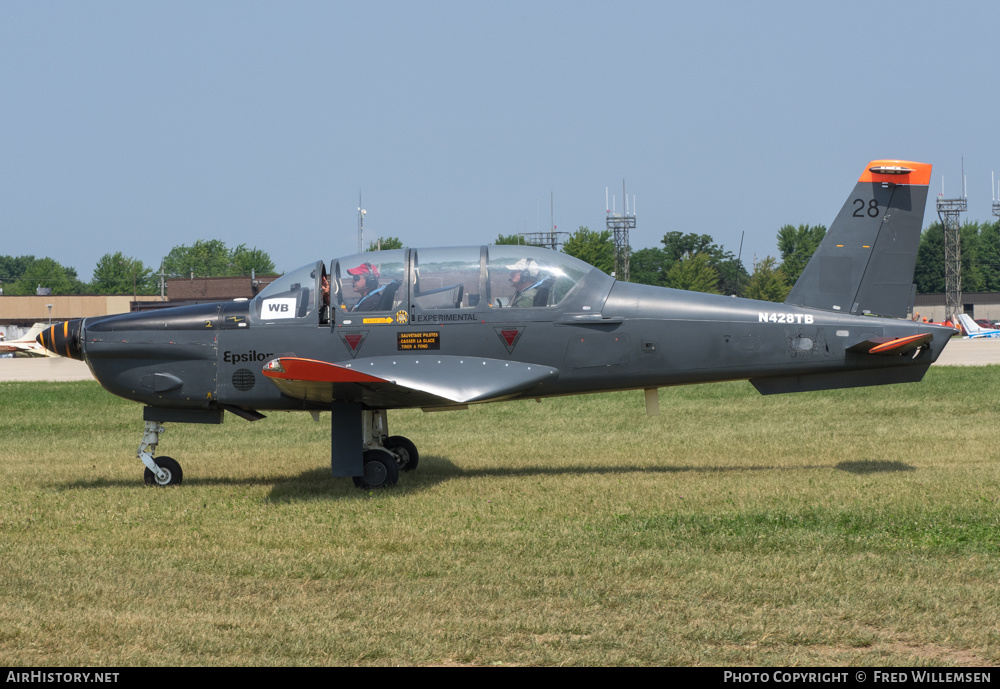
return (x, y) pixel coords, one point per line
(848, 527)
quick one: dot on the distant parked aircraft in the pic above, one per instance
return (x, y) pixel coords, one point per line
(974, 331)
(27, 345)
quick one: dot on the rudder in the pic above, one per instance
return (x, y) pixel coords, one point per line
(865, 263)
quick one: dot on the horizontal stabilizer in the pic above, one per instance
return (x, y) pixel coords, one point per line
(892, 345)
(389, 382)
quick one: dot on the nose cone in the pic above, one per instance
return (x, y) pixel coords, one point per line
(63, 339)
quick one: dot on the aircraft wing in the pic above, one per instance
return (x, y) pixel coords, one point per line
(388, 381)
(891, 345)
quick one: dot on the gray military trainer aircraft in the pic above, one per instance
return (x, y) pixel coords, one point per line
(448, 327)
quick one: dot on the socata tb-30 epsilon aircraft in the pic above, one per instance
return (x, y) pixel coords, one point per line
(445, 328)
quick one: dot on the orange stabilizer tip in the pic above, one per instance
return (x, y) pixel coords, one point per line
(897, 172)
(901, 342)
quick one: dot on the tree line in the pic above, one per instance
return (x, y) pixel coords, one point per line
(695, 262)
(120, 274)
(980, 258)
(689, 261)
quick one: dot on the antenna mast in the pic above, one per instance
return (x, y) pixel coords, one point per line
(361, 225)
(619, 225)
(995, 191)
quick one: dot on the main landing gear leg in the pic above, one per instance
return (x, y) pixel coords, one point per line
(383, 456)
(164, 471)
(376, 436)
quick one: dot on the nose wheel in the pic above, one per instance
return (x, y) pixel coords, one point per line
(171, 474)
(162, 471)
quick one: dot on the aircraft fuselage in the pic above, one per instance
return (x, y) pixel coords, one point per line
(442, 328)
(631, 337)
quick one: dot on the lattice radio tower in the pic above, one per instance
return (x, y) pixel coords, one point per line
(948, 211)
(619, 224)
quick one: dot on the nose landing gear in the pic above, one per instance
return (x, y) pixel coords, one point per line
(164, 471)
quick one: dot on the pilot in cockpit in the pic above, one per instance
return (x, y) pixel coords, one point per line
(525, 279)
(366, 284)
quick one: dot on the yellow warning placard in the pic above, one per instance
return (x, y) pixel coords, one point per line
(406, 342)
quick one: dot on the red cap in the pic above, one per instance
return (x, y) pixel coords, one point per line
(363, 269)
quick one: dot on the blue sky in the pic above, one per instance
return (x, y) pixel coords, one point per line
(135, 127)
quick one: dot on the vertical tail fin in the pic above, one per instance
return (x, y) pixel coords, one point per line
(865, 263)
(970, 326)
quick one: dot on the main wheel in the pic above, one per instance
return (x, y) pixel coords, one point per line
(405, 451)
(381, 470)
(172, 470)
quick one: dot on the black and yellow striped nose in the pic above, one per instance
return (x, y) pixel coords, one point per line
(63, 339)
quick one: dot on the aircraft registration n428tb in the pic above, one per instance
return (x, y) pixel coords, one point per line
(448, 327)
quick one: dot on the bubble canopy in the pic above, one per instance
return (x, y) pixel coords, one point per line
(457, 278)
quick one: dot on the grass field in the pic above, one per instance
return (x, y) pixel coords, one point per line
(852, 527)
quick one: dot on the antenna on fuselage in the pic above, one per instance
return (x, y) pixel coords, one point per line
(739, 262)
